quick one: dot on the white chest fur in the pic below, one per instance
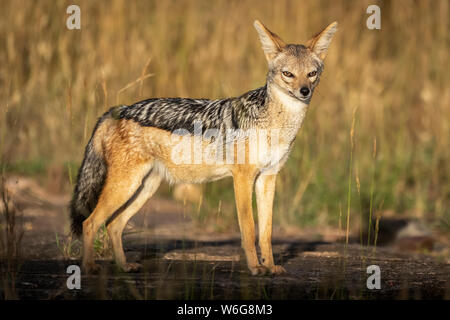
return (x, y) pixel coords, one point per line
(294, 109)
(288, 118)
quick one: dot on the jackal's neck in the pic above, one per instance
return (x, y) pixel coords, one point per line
(269, 106)
(250, 109)
(281, 98)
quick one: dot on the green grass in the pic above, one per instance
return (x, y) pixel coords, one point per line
(26, 167)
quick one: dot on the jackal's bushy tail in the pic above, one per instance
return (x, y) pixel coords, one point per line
(90, 181)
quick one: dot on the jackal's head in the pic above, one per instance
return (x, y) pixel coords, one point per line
(294, 68)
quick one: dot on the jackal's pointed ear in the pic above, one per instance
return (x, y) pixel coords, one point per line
(320, 42)
(271, 43)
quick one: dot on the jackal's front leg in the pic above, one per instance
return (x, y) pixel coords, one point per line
(265, 190)
(243, 189)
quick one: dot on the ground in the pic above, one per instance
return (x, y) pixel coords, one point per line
(184, 260)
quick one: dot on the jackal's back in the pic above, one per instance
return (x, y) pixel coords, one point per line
(181, 113)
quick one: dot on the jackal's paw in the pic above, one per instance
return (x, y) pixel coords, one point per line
(258, 270)
(276, 269)
(131, 267)
(91, 268)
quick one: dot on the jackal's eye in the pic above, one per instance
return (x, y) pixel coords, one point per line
(312, 74)
(287, 74)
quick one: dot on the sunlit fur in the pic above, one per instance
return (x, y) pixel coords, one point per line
(130, 151)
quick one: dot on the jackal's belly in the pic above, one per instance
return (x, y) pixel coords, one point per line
(191, 173)
(270, 160)
(187, 160)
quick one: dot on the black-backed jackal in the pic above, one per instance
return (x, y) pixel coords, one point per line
(133, 148)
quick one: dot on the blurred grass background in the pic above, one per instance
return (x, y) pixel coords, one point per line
(55, 82)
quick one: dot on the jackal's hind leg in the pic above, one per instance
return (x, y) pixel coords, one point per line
(149, 185)
(120, 185)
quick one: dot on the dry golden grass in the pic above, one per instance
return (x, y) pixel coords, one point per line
(54, 83)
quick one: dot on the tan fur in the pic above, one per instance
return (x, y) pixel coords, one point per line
(131, 151)
(138, 158)
(320, 42)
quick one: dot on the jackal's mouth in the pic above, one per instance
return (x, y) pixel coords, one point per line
(306, 99)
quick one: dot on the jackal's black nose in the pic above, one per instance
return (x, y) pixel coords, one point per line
(304, 91)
